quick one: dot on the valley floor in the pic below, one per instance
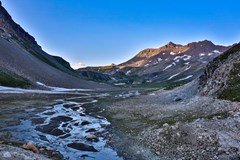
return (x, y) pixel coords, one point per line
(176, 124)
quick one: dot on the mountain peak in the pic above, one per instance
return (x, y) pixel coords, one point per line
(171, 44)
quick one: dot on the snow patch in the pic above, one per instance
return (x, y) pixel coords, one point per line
(190, 76)
(187, 57)
(159, 59)
(173, 53)
(187, 68)
(216, 51)
(119, 84)
(177, 57)
(173, 76)
(146, 65)
(167, 67)
(4, 89)
(60, 89)
(202, 54)
(209, 54)
(128, 72)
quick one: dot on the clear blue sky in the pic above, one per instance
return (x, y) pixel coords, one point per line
(101, 32)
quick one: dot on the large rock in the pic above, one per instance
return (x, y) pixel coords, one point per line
(82, 147)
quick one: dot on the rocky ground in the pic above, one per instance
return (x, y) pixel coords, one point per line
(176, 124)
(8, 152)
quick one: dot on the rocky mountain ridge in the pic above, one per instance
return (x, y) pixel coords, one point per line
(221, 77)
(172, 63)
(23, 63)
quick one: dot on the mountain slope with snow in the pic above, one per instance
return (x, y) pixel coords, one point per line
(169, 63)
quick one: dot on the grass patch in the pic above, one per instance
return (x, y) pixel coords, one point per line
(10, 79)
(41, 57)
(165, 85)
(231, 92)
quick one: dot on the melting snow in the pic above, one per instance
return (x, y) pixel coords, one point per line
(146, 65)
(209, 54)
(173, 76)
(216, 51)
(190, 76)
(59, 89)
(20, 90)
(167, 67)
(187, 68)
(187, 63)
(172, 53)
(163, 53)
(159, 59)
(187, 58)
(202, 54)
(177, 57)
(128, 72)
(119, 84)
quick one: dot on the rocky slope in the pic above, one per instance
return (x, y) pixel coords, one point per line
(222, 76)
(170, 63)
(23, 62)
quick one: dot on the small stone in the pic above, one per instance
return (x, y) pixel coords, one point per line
(91, 130)
(165, 125)
(92, 137)
(31, 147)
(178, 134)
(85, 123)
(82, 147)
(7, 155)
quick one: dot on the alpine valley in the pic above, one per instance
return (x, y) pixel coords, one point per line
(175, 102)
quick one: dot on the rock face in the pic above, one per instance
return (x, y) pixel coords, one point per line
(7, 24)
(169, 63)
(221, 77)
(24, 63)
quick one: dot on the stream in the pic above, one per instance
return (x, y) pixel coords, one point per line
(65, 127)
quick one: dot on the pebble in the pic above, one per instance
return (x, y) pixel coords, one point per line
(7, 155)
(92, 137)
(31, 147)
(165, 125)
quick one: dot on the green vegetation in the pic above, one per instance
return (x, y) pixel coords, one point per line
(211, 67)
(226, 54)
(165, 85)
(104, 68)
(10, 79)
(231, 92)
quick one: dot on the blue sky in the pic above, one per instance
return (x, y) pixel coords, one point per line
(101, 32)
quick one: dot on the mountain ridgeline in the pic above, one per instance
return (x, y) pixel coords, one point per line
(23, 63)
(221, 77)
(170, 64)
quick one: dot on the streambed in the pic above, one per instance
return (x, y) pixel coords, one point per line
(66, 126)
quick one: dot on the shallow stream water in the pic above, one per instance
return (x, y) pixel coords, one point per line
(64, 127)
